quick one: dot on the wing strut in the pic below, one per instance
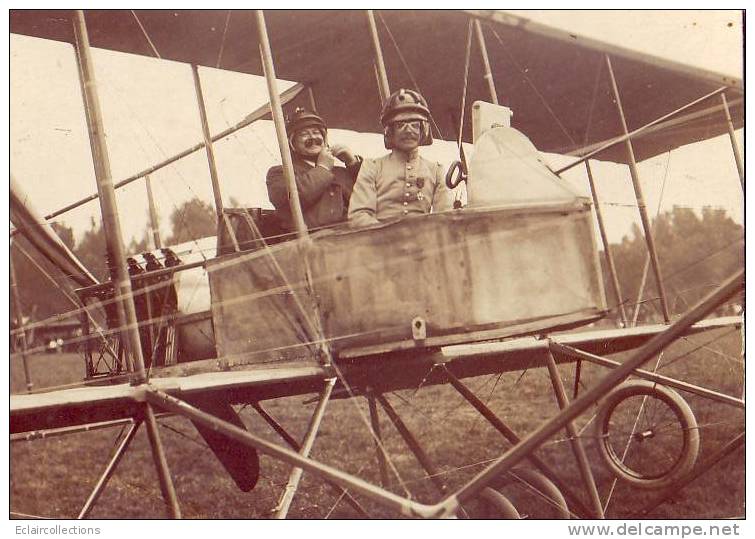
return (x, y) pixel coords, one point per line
(280, 127)
(488, 76)
(20, 321)
(606, 245)
(640, 197)
(733, 139)
(222, 218)
(382, 76)
(114, 242)
(154, 224)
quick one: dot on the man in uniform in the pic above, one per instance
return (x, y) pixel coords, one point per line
(324, 188)
(401, 183)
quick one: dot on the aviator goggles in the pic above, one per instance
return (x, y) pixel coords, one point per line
(414, 125)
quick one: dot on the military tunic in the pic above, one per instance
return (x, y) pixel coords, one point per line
(323, 194)
(397, 185)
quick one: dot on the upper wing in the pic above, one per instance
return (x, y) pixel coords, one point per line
(548, 77)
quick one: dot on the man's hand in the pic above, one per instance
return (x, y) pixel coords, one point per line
(343, 153)
(325, 159)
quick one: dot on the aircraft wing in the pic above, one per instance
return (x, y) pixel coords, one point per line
(556, 83)
(28, 221)
(93, 404)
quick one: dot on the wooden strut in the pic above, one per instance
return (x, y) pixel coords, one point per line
(639, 131)
(114, 241)
(278, 428)
(342, 479)
(562, 349)
(109, 471)
(733, 139)
(574, 439)
(488, 76)
(287, 496)
(646, 225)
(154, 223)
(377, 438)
(413, 444)
(606, 245)
(217, 195)
(324, 353)
(280, 127)
(20, 319)
(384, 89)
(311, 95)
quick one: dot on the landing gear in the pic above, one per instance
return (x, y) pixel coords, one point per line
(647, 434)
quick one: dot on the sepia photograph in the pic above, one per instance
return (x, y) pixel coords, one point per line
(385, 264)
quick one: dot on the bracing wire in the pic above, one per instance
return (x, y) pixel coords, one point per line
(467, 54)
(183, 223)
(222, 40)
(146, 35)
(83, 310)
(407, 69)
(540, 96)
(593, 100)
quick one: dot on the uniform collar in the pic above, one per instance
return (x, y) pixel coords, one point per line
(301, 161)
(403, 156)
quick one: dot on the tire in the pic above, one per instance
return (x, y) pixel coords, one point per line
(497, 505)
(647, 434)
(537, 491)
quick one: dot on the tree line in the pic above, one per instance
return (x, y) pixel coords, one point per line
(696, 254)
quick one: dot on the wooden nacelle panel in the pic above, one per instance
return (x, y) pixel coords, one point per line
(467, 275)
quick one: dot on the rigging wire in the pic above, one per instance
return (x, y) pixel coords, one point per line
(643, 281)
(467, 55)
(593, 100)
(157, 54)
(408, 70)
(146, 35)
(183, 223)
(534, 88)
(82, 310)
(222, 41)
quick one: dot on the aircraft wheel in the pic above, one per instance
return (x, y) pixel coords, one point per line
(497, 506)
(534, 494)
(647, 434)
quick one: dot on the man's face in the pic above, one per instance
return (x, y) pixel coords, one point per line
(308, 142)
(406, 134)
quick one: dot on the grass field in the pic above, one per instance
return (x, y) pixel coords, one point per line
(53, 477)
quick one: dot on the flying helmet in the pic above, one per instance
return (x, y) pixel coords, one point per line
(406, 105)
(302, 118)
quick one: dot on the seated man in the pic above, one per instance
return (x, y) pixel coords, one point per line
(324, 189)
(402, 182)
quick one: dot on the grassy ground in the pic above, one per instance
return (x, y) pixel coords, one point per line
(53, 477)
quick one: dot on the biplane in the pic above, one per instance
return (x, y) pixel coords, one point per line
(507, 282)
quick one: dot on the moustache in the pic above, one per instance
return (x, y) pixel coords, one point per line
(312, 142)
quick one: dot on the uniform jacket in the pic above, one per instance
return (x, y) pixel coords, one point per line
(324, 194)
(396, 185)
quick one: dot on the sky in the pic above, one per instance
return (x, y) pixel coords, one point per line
(150, 113)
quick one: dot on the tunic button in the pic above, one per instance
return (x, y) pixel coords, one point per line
(407, 195)
(408, 167)
(406, 212)
(408, 184)
(406, 203)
